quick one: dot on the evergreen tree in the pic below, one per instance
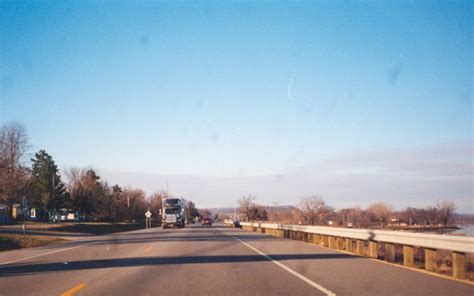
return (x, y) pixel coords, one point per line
(92, 198)
(48, 191)
(190, 210)
(82, 201)
(95, 192)
(117, 204)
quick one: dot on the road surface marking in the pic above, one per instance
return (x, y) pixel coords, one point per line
(48, 253)
(424, 271)
(148, 249)
(74, 290)
(298, 275)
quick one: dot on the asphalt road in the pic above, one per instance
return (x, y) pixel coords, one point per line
(206, 261)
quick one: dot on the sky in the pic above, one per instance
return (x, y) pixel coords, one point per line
(224, 98)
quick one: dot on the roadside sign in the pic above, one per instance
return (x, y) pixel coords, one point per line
(148, 220)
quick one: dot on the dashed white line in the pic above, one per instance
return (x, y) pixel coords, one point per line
(298, 275)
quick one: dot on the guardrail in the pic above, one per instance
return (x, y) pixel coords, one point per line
(366, 242)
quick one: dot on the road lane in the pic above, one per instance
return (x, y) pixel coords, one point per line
(203, 260)
(43, 273)
(347, 274)
(183, 261)
(74, 290)
(291, 271)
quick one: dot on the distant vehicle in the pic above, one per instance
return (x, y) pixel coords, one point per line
(207, 221)
(173, 212)
(65, 215)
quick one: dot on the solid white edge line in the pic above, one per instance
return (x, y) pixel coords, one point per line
(298, 275)
(49, 253)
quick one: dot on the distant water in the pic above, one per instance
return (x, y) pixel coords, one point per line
(467, 230)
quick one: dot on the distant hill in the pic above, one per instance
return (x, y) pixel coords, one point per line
(461, 219)
(231, 211)
(221, 211)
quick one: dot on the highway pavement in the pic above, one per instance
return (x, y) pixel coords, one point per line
(201, 260)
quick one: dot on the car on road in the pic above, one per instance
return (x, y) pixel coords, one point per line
(207, 221)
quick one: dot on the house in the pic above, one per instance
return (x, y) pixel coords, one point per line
(67, 215)
(3, 213)
(35, 214)
(17, 211)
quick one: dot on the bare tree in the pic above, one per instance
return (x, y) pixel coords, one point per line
(313, 209)
(445, 212)
(155, 202)
(429, 215)
(283, 214)
(205, 213)
(136, 203)
(13, 174)
(74, 175)
(409, 215)
(246, 203)
(258, 213)
(381, 211)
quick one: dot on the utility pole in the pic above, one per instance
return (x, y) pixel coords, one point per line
(23, 211)
(128, 207)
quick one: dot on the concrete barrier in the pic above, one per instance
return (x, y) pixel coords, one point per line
(367, 242)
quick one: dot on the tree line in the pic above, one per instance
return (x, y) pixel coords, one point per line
(313, 210)
(84, 192)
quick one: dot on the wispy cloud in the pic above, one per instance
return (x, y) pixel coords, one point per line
(289, 89)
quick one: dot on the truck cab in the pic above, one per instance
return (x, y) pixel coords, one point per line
(173, 212)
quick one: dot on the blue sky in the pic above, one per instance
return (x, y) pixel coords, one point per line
(235, 89)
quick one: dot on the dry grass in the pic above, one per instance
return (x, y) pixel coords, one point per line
(91, 228)
(444, 261)
(18, 241)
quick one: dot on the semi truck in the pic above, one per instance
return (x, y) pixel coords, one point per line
(172, 212)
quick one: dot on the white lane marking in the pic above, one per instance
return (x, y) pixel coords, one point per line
(298, 275)
(48, 253)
